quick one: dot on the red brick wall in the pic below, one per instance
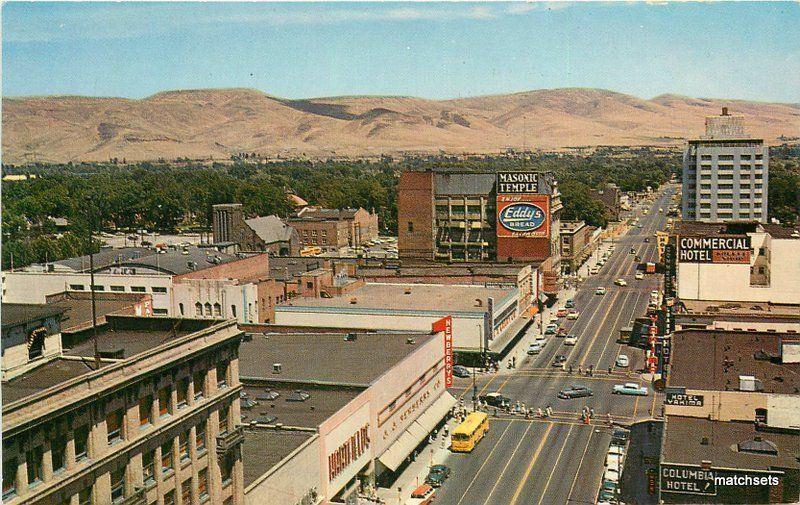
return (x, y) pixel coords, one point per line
(246, 268)
(523, 249)
(415, 206)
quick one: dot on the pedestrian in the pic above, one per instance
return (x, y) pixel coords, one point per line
(539, 412)
(580, 370)
(610, 421)
(591, 412)
(609, 370)
(570, 369)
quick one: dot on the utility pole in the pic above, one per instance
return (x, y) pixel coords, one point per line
(91, 290)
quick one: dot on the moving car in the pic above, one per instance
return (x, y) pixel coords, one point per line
(460, 371)
(437, 475)
(633, 250)
(639, 276)
(573, 315)
(621, 282)
(576, 391)
(534, 348)
(562, 332)
(551, 329)
(647, 240)
(559, 360)
(630, 388)
(622, 360)
(496, 400)
(600, 291)
(571, 340)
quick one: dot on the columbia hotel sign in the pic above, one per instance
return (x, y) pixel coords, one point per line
(714, 250)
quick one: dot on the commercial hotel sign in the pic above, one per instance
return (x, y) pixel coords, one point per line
(734, 250)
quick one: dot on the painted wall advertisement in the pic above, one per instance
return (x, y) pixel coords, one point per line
(523, 216)
(445, 325)
(721, 250)
(687, 479)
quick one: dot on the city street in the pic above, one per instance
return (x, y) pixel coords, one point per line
(560, 459)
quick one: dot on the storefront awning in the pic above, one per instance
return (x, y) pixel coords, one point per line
(416, 432)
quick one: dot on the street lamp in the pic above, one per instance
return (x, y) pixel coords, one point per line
(480, 361)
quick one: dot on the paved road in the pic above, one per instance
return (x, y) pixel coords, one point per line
(560, 460)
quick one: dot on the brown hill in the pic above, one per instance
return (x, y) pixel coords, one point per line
(218, 123)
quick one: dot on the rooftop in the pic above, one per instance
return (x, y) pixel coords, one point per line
(325, 214)
(104, 258)
(571, 226)
(683, 443)
(14, 314)
(743, 311)
(44, 376)
(176, 261)
(502, 271)
(77, 307)
(734, 228)
(270, 229)
(265, 448)
(285, 268)
(306, 357)
(322, 403)
(714, 360)
(409, 297)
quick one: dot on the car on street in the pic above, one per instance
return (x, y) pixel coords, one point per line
(611, 475)
(561, 312)
(534, 348)
(551, 329)
(615, 450)
(562, 332)
(570, 304)
(630, 388)
(571, 340)
(654, 294)
(573, 315)
(639, 226)
(559, 360)
(633, 250)
(575, 391)
(461, 371)
(496, 400)
(600, 291)
(637, 259)
(639, 276)
(437, 475)
(621, 282)
(647, 240)
(622, 361)
(541, 339)
(594, 270)
(554, 320)
(423, 495)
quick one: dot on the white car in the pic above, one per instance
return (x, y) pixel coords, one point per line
(622, 361)
(614, 463)
(611, 474)
(573, 315)
(594, 270)
(654, 293)
(534, 348)
(639, 276)
(630, 388)
(600, 291)
(541, 339)
(621, 282)
(571, 340)
(615, 450)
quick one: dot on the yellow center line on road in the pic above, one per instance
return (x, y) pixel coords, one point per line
(558, 458)
(599, 327)
(608, 340)
(530, 466)
(580, 464)
(488, 456)
(510, 459)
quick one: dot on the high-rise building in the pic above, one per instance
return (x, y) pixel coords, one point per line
(725, 173)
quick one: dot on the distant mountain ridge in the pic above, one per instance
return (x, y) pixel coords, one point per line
(220, 122)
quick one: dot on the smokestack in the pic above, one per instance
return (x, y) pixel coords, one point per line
(724, 111)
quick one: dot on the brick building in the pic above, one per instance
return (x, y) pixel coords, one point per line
(333, 229)
(576, 244)
(156, 422)
(262, 234)
(609, 196)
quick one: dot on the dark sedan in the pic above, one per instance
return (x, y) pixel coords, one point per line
(437, 475)
(461, 371)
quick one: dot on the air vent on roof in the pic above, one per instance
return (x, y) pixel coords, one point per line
(704, 441)
(268, 396)
(266, 419)
(410, 341)
(407, 291)
(298, 396)
(353, 301)
(277, 367)
(750, 383)
(758, 446)
(350, 337)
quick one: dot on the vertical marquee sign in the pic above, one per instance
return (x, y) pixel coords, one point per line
(445, 325)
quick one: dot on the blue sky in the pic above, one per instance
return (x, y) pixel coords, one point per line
(432, 50)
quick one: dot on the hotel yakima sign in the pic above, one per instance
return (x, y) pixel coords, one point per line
(714, 250)
(517, 182)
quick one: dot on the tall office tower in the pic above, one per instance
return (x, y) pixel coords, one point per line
(725, 173)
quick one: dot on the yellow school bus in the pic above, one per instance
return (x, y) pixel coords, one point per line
(470, 432)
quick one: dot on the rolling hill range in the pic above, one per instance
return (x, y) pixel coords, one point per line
(220, 122)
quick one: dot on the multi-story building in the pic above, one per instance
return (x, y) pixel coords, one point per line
(152, 417)
(454, 215)
(577, 244)
(263, 234)
(725, 174)
(609, 196)
(333, 229)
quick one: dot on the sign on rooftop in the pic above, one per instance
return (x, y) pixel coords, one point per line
(714, 250)
(517, 182)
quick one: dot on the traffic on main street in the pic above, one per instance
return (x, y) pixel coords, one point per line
(560, 457)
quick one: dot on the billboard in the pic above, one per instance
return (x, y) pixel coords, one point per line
(687, 479)
(517, 182)
(721, 250)
(445, 325)
(523, 216)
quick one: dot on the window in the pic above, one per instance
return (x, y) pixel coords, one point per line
(169, 497)
(202, 483)
(222, 375)
(186, 491)
(199, 382)
(114, 426)
(149, 466)
(76, 287)
(160, 312)
(85, 496)
(224, 413)
(200, 436)
(217, 309)
(233, 310)
(33, 458)
(226, 469)
(207, 308)
(180, 308)
(183, 446)
(9, 478)
(163, 401)
(118, 289)
(97, 287)
(58, 452)
(410, 227)
(81, 443)
(183, 393)
(198, 309)
(138, 289)
(159, 289)
(118, 485)
(166, 457)
(146, 411)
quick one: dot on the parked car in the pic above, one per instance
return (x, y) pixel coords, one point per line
(562, 312)
(496, 400)
(639, 276)
(575, 391)
(570, 304)
(647, 240)
(611, 475)
(562, 332)
(559, 360)
(461, 371)
(594, 270)
(621, 282)
(630, 388)
(600, 291)
(622, 361)
(573, 315)
(571, 340)
(437, 475)
(423, 495)
(534, 348)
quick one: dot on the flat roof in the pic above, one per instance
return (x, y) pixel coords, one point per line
(755, 310)
(265, 448)
(45, 376)
(326, 357)
(77, 307)
(683, 438)
(714, 360)
(410, 297)
(13, 314)
(322, 403)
